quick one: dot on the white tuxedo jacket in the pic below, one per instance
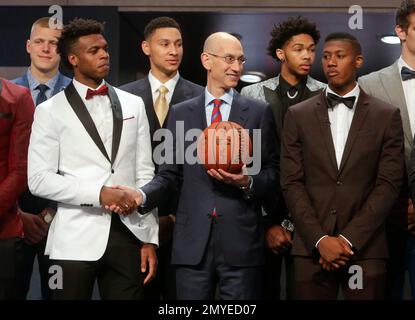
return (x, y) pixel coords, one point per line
(67, 163)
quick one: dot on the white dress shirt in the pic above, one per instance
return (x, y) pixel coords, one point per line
(340, 121)
(409, 91)
(155, 85)
(341, 118)
(225, 108)
(99, 107)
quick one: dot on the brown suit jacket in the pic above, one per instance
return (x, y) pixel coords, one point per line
(355, 199)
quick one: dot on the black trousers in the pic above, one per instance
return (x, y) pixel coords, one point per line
(118, 271)
(272, 275)
(11, 262)
(30, 253)
(163, 286)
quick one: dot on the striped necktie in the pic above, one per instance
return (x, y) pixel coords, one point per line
(216, 115)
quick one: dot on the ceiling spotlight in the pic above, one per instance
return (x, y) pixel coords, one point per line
(389, 39)
(253, 77)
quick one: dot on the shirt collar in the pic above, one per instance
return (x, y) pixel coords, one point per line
(155, 83)
(285, 86)
(33, 83)
(82, 88)
(227, 97)
(353, 93)
(402, 63)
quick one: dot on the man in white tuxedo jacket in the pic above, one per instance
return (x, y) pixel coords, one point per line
(85, 141)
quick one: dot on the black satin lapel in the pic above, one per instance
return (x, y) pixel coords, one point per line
(238, 111)
(357, 122)
(272, 97)
(83, 115)
(323, 116)
(117, 121)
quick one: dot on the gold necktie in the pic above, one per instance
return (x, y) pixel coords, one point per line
(160, 106)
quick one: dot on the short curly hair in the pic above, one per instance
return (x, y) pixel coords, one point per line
(72, 32)
(285, 30)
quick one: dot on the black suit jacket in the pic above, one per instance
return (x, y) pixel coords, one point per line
(240, 224)
(183, 91)
(274, 203)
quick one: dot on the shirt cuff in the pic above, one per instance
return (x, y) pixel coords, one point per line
(320, 239)
(144, 197)
(347, 240)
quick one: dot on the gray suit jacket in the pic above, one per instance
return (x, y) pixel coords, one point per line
(386, 85)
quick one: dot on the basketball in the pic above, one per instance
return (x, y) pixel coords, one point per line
(224, 145)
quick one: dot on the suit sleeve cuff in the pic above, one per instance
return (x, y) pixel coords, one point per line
(144, 197)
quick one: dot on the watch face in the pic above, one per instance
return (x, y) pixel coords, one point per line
(288, 225)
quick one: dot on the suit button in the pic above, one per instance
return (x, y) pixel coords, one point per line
(112, 171)
(339, 183)
(333, 211)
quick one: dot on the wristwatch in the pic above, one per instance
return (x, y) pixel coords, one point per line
(287, 225)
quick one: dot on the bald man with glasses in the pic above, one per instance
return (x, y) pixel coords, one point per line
(219, 237)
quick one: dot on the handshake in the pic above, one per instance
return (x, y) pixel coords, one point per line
(120, 199)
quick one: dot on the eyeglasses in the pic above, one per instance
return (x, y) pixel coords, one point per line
(230, 59)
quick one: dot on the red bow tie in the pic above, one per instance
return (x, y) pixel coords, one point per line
(103, 91)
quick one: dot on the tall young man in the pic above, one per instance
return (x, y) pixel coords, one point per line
(85, 140)
(163, 87)
(44, 81)
(342, 167)
(293, 44)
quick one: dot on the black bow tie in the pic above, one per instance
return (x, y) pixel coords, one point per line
(407, 74)
(333, 100)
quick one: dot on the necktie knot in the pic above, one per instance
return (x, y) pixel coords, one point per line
(217, 103)
(333, 100)
(103, 91)
(216, 115)
(42, 88)
(163, 89)
(41, 97)
(407, 74)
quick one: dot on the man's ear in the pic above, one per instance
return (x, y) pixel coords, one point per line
(28, 46)
(359, 61)
(206, 61)
(401, 33)
(145, 46)
(73, 60)
(280, 54)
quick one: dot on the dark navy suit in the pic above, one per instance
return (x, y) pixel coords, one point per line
(237, 238)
